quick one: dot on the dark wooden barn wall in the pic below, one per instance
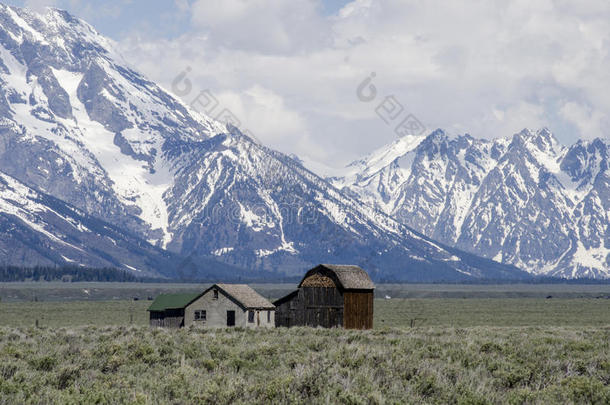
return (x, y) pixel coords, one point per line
(358, 310)
(323, 306)
(287, 313)
(171, 318)
(312, 306)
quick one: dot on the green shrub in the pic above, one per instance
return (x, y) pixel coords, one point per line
(8, 370)
(44, 363)
(66, 376)
(587, 390)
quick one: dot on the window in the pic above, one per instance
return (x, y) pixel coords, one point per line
(251, 316)
(200, 316)
(215, 294)
(268, 316)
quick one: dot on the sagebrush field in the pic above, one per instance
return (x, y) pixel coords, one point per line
(422, 350)
(475, 365)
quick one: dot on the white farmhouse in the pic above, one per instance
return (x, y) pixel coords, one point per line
(221, 305)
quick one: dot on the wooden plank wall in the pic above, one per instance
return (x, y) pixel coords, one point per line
(283, 314)
(312, 306)
(327, 307)
(167, 319)
(358, 310)
(323, 306)
(290, 312)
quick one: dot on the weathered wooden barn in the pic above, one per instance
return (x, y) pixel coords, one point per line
(219, 306)
(329, 296)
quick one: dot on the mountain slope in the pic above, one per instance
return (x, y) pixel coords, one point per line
(81, 126)
(524, 200)
(38, 229)
(94, 126)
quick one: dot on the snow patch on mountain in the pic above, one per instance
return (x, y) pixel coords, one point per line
(133, 181)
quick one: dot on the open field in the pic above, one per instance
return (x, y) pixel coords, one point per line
(422, 350)
(492, 312)
(388, 313)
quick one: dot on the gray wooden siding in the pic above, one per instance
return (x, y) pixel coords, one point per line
(216, 313)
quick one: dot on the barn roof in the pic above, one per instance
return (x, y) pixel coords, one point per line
(172, 301)
(285, 298)
(245, 295)
(349, 276)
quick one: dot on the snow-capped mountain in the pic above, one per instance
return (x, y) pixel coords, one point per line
(38, 229)
(524, 200)
(79, 125)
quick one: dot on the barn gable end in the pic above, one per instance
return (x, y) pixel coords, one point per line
(329, 296)
(318, 280)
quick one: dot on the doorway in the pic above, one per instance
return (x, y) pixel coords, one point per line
(230, 318)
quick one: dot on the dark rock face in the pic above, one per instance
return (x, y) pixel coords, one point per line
(91, 91)
(59, 102)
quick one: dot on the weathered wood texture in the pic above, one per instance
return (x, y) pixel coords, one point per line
(322, 301)
(286, 313)
(358, 310)
(171, 318)
(323, 306)
(312, 306)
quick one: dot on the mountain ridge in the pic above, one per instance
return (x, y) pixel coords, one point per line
(500, 198)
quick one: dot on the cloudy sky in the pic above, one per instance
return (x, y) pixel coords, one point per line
(292, 71)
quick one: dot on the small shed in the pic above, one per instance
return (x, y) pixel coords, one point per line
(167, 310)
(221, 305)
(329, 295)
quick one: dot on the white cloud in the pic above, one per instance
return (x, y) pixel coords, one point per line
(265, 113)
(271, 26)
(182, 5)
(591, 123)
(487, 68)
(39, 5)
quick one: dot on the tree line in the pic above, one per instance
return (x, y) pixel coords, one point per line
(65, 273)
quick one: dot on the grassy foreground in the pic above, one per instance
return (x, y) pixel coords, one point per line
(477, 365)
(434, 350)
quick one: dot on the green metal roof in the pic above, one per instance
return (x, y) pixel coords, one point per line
(172, 301)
